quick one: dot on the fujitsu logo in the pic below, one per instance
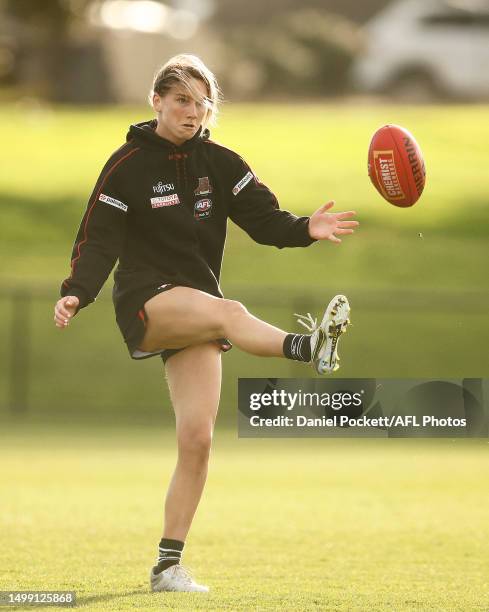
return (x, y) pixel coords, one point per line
(163, 187)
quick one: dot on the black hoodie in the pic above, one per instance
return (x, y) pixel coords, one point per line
(162, 211)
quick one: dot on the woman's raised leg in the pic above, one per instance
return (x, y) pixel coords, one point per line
(184, 316)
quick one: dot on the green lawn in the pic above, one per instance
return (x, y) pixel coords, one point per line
(416, 278)
(316, 524)
(306, 154)
(320, 524)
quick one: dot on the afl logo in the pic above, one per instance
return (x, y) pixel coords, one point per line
(203, 209)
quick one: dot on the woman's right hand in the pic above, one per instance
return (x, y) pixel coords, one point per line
(65, 310)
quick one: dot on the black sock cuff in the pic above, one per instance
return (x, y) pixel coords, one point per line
(173, 544)
(297, 347)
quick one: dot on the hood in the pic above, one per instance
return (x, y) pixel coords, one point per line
(145, 136)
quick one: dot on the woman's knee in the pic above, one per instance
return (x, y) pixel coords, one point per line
(232, 311)
(194, 443)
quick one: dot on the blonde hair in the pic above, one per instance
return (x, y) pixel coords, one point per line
(180, 69)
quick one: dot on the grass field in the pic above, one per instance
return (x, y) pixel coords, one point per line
(416, 278)
(306, 153)
(324, 524)
(316, 524)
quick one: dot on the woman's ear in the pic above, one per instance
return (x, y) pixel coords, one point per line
(157, 102)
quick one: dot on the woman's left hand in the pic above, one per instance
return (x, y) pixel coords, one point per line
(324, 225)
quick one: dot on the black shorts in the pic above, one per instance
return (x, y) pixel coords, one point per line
(134, 333)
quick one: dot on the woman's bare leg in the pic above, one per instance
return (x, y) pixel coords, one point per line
(194, 380)
(183, 316)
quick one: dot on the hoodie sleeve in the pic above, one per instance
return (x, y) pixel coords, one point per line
(99, 239)
(256, 210)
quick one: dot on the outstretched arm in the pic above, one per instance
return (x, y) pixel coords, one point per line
(256, 210)
(324, 225)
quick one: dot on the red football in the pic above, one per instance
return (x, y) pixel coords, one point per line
(396, 165)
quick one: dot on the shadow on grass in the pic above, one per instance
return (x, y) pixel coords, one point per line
(94, 599)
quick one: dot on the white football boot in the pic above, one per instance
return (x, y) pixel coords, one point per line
(325, 337)
(175, 578)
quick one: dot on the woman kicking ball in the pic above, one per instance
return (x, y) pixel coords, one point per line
(160, 207)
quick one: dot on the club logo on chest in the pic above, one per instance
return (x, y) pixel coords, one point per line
(204, 187)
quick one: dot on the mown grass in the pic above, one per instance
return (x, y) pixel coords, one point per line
(307, 154)
(284, 524)
(317, 524)
(416, 278)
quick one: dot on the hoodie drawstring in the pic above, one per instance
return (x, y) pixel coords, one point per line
(181, 167)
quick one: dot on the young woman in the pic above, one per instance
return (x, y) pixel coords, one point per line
(160, 206)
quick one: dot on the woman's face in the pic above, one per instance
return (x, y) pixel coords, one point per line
(179, 114)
